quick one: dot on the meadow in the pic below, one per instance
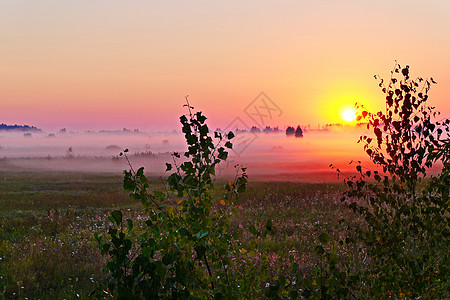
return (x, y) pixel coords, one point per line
(48, 249)
(380, 233)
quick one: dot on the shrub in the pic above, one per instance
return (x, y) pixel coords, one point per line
(407, 216)
(187, 247)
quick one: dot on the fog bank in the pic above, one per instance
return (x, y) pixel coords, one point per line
(267, 156)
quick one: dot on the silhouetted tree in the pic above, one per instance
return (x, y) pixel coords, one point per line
(290, 130)
(298, 132)
(16, 127)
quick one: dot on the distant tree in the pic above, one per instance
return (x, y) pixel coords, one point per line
(255, 129)
(16, 127)
(290, 130)
(298, 132)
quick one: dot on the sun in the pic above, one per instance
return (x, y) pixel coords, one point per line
(349, 115)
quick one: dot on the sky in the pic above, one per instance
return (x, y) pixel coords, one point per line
(114, 64)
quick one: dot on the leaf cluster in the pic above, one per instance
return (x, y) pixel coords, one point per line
(406, 214)
(185, 247)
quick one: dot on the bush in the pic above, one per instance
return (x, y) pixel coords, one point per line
(186, 247)
(407, 217)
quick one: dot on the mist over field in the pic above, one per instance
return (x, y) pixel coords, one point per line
(268, 156)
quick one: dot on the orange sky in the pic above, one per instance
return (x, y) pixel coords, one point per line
(114, 64)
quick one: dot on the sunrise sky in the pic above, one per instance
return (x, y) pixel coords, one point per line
(114, 64)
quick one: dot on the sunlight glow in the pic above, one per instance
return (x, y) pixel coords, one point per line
(349, 115)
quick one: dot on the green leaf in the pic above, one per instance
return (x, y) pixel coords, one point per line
(253, 230)
(319, 250)
(147, 251)
(200, 250)
(294, 267)
(201, 118)
(183, 231)
(117, 216)
(201, 234)
(269, 225)
(230, 135)
(140, 172)
(222, 154)
(204, 130)
(128, 181)
(168, 167)
(323, 238)
(129, 225)
(105, 248)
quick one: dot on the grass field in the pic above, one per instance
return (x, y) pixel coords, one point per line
(47, 247)
(48, 221)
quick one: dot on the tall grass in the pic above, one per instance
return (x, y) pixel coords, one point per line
(48, 221)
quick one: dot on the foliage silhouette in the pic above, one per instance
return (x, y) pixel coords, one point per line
(407, 217)
(187, 247)
(299, 132)
(290, 131)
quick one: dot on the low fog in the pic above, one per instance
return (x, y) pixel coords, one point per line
(268, 156)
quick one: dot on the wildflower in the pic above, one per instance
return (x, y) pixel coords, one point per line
(222, 202)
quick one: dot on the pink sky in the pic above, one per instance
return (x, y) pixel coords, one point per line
(115, 64)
